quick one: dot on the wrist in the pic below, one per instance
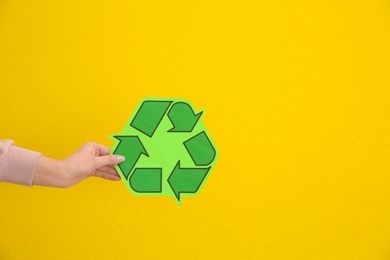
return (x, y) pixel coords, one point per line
(50, 172)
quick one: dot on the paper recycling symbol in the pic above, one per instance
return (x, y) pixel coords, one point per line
(167, 148)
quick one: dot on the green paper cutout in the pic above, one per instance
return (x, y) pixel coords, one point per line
(167, 148)
(146, 180)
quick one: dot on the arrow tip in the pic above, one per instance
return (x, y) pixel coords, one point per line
(135, 141)
(143, 151)
(171, 182)
(113, 137)
(186, 124)
(199, 114)
(116, 137)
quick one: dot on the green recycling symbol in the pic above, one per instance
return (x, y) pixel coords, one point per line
(167, 148)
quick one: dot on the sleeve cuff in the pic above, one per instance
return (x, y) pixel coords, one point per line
(19, 166)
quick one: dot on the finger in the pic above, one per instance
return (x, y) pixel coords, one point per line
(103, 172)
(107, 176)
(109, 169)
(106, 171)
(105, 160)
(103, 150)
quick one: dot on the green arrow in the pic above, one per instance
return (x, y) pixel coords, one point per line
(182, 117)
(132, 148)
(200, 149)
(146, 180)
(186, 180)
(149, 116)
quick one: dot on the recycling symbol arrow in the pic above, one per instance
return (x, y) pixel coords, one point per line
(167, 148)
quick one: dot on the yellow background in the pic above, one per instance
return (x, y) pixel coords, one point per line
(297, 101)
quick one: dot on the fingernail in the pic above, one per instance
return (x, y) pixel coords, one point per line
(120, 158)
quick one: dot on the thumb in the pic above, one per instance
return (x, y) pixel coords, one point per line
(101, 161)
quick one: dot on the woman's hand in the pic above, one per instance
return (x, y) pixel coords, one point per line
(92, 159)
